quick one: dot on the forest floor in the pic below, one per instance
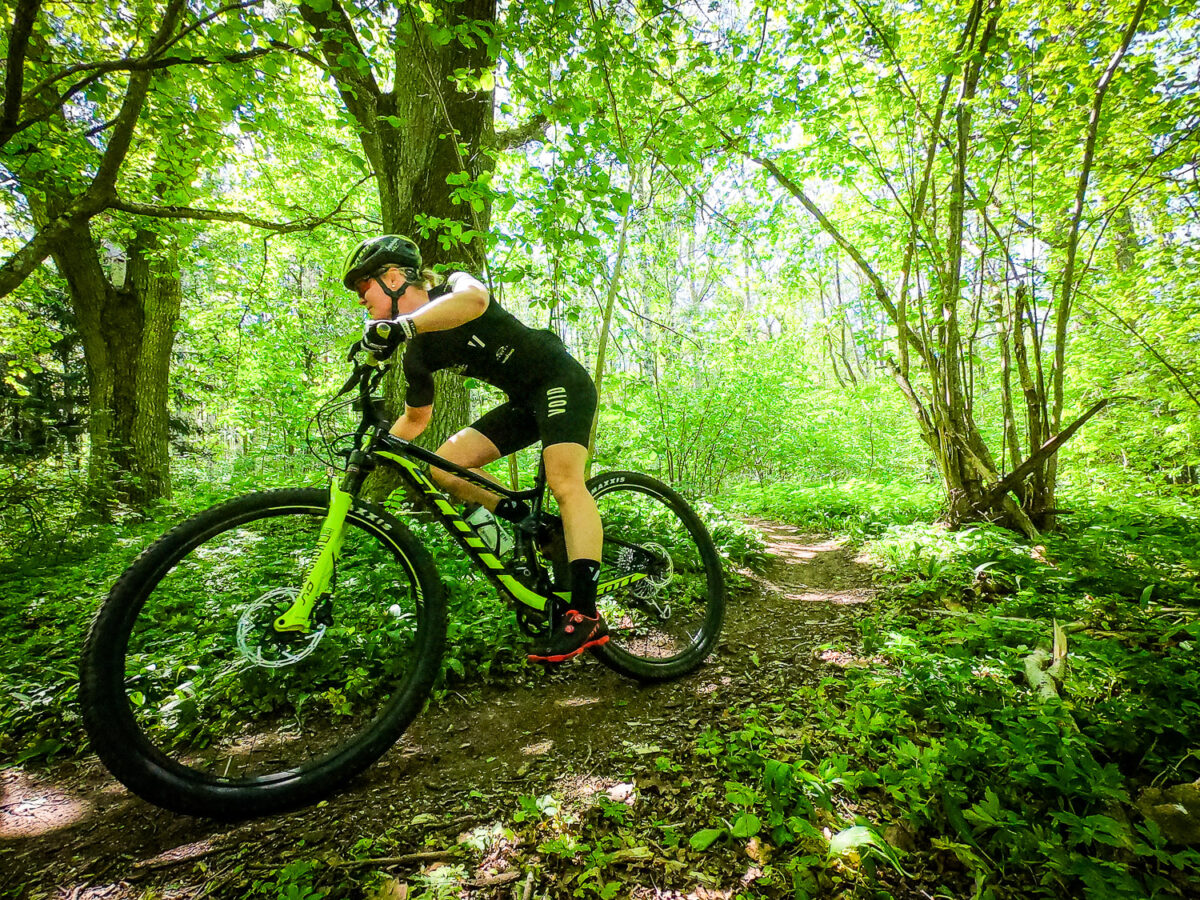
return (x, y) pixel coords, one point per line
(451, 797)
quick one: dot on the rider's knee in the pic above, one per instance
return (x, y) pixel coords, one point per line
(567, 489)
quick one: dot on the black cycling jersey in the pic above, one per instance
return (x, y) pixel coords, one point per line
(552, 398)
(496, 348)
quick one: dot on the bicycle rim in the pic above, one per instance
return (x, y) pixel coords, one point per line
(225, 717)
(666, 616)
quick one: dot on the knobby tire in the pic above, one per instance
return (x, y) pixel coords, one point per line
(195, 704)
(665, 623)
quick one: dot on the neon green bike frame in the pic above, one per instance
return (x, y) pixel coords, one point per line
(298, 617)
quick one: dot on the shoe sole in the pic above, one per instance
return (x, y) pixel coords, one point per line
(563, 657)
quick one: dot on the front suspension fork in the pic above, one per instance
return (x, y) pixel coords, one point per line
(298, 617)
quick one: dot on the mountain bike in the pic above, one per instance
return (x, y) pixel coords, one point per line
(262, 653)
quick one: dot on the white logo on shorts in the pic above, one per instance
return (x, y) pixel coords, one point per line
(556, 403)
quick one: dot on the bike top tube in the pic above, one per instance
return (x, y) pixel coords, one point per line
(402, 447)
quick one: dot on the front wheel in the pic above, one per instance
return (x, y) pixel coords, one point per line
(196, 703)
(662, 592)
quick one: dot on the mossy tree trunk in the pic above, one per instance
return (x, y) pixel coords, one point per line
(127, 331)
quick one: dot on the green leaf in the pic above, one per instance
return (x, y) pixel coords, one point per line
(863, 840)
(848, 839)
(739, 117)
(705, 838)
(746, 826)
(739, 795)
(45, 748)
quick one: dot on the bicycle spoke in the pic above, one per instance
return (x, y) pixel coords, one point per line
(661, 591)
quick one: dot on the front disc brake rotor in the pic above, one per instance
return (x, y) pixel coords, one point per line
(258, 641)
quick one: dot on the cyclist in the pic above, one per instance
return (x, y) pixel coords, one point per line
(455, 324)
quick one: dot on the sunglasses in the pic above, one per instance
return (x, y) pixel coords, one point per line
(364, 284)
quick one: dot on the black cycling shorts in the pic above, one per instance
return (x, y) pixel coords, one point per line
(559, 411)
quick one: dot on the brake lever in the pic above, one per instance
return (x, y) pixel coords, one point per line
(350, 382)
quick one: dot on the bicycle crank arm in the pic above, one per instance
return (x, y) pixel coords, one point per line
(298, 617)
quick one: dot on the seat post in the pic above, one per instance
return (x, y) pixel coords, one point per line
(540, 500)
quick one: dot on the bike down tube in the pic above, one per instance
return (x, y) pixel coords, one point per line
(463, 532)
(298, 616)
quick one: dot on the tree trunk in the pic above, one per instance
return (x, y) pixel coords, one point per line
(127, 332)
(614, 286)
(154, 279)
(447, 131)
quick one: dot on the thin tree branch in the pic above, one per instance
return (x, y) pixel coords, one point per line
(101, 193)
(625, 305)
(219, 215)
(881, 291)
(151, 60)
(341, 49)
(14, 66)
(143, 65)
(1063, 313)
(1016, 476)
(131, 109)
(1150, 347)
(526, 133)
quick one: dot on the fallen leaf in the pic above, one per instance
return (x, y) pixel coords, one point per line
(758, 851)
(392, 889)
(621, 793)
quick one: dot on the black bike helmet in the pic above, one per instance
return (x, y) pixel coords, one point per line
(374, 253)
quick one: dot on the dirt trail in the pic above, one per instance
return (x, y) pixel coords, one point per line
(72, 832)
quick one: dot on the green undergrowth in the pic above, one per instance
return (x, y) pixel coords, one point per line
(855, 507)
(54, 587)
(933, 743)
(923, 764)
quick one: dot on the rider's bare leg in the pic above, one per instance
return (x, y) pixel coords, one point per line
(470, 449)
(581, 519)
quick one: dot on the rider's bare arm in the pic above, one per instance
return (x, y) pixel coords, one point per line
(466, 300)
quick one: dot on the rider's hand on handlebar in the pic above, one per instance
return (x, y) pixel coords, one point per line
(383, 336)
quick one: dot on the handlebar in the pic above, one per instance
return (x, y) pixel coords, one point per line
(366, 377)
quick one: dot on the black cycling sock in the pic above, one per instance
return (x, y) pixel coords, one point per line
(585, 576)
(512, 510)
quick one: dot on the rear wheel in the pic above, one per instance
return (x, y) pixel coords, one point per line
(193, 700)
(666, 601)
